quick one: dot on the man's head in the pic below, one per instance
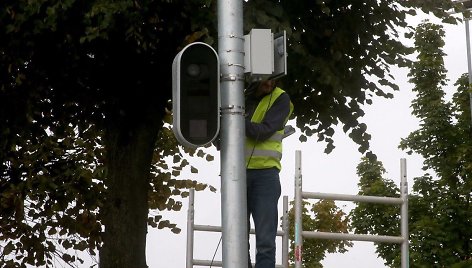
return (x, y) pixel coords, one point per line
(265, 87)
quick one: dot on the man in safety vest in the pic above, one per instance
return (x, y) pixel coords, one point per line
(268, 108)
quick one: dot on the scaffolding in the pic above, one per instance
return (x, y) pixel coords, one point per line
(192, 227)
(402, 201)
(299, 233)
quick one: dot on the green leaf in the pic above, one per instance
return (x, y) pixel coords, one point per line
(8, 249)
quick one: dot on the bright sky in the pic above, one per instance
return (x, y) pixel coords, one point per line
(388, 121)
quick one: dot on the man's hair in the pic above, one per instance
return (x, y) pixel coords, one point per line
(252, 87)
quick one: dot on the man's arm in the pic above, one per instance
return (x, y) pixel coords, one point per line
(273, 120)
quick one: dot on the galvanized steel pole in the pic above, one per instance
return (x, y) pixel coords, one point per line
(285, 229)
(233, 172)
(469, 68)
(354, 198)
(190, 226)
(404, 215)
(298, 209)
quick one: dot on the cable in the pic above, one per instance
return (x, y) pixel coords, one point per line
(257, 137)
(247, 165)
(212, 259)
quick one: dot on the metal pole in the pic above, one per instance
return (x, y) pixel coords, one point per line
(353, 237)
(298, 210)
(467, 36)
(285, 230)
(354, 198)
(190, 223)
(233, 173)
(404, 215)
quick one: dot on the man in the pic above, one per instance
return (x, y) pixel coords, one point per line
(268, 109)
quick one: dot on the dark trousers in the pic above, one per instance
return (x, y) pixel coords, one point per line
(263, 192)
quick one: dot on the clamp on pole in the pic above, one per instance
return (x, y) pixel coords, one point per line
(235, 36)
(232, 77)
(233, 109)
(237, 51)
(237, 65)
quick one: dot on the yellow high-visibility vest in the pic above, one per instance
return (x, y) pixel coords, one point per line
(267, 153)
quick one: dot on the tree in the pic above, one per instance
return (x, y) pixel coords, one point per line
(83, 92)
(440, 208)
(324, 216)
(443, 140)
(340, 53)
(378, 219)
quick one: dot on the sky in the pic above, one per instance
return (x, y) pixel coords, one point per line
(388, 121)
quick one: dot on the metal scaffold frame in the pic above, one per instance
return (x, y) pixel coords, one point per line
(192, 227)
(402, 200)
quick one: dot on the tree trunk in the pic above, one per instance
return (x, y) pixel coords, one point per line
(129, 149)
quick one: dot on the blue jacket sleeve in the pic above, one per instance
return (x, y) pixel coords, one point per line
(274, 120)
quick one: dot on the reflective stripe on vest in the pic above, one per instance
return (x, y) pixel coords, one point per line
(267, 153)
(264, 153)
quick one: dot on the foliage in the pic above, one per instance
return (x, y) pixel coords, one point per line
(323, 216)
(83, 91)
(443, 140)
(51, 197)
(166, 183)
(68, 70)
(439, 207)
(463, 264)
(378, 219)
(340, 53)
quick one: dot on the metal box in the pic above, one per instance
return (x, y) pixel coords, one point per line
(259, 52)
